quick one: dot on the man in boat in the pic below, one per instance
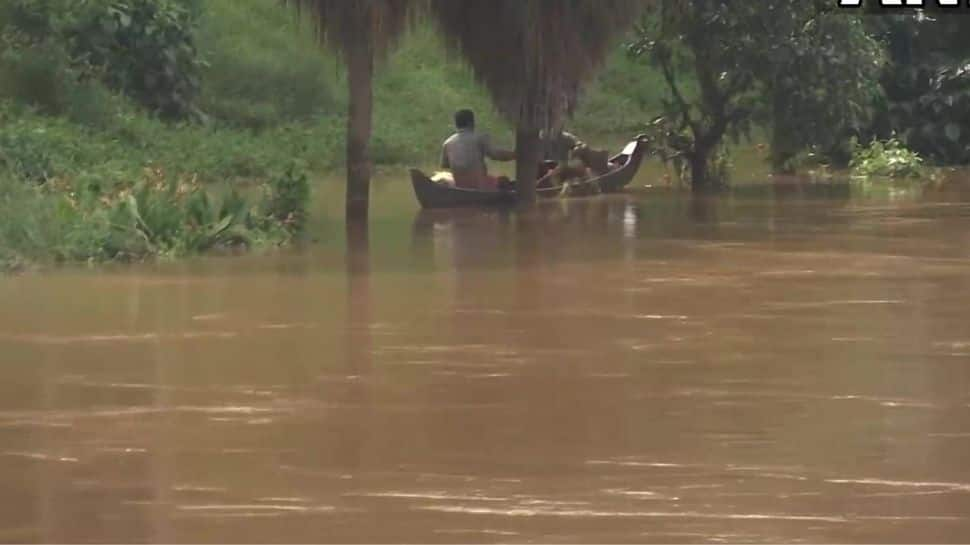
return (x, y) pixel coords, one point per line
(464, 154)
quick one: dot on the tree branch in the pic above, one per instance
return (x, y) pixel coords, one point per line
(675, 90)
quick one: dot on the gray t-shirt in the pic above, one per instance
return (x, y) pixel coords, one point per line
(465, 152)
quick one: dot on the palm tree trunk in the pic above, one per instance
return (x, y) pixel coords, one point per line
(360, 67)
(527, 153)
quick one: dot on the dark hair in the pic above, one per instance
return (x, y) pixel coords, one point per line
(465, 119)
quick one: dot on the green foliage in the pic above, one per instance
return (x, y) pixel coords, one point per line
(671, 143)
(39, 224)
(729, 65)
(73, 149)
(886, 159)
(42, 147)
(267, 73)
(824, 88)
(618, 100)
(158, 216)
(263, 68)
(927, 84)
(25, 158)
(170, 218)
(286, 199)
(143, 48)
(710, 61)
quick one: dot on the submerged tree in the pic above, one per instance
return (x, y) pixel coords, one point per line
(823, 86)
(533, 56)
(808, 72)
(363, 31)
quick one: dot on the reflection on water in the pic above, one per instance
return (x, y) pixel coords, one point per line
(782, 363)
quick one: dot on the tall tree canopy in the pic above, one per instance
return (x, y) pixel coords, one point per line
(823, 87)
(727, 64)
(927, 81)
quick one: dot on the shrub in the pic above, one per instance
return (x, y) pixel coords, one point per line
(286, 198)
(889, 158)
(143, 48)
(178, 217)
(160, 215)
(24, 158)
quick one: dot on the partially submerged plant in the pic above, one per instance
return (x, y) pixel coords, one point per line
(286, 197)
(179, 218)
(890, 159)
(160, 215)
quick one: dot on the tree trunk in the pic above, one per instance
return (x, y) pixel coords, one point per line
(527, 152)
(360, 68)
(700, 178)
(782, 147)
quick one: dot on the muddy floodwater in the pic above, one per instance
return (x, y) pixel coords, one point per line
(784, 363)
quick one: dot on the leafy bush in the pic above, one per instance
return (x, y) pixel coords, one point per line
(824, 91)
(23, 159)
(160, 215)
(927, 84)
(178, 217)
(172, 216)
(38, 75)
(143, 48)
(40, 148)
(286, 198)
(930, 123)
(889, 158)
(42, 225)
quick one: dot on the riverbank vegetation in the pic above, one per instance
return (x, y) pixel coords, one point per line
(136, 128)
(889, 159)
(266, 99)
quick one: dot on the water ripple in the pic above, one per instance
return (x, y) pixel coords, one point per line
(590, 513)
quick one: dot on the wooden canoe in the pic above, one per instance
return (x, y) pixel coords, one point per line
(437, 195)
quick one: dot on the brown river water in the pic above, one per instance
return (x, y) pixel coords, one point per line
(785, 363)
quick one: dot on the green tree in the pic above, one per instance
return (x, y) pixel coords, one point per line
(142, 48)
(823, 85)
(794, 65)
(926, 82)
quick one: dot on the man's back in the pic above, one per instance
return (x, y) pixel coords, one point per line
(465, 152)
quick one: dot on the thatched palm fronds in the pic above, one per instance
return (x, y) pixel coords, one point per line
(363, 31)
(554, 46)
(534, 56)
(342, 24)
